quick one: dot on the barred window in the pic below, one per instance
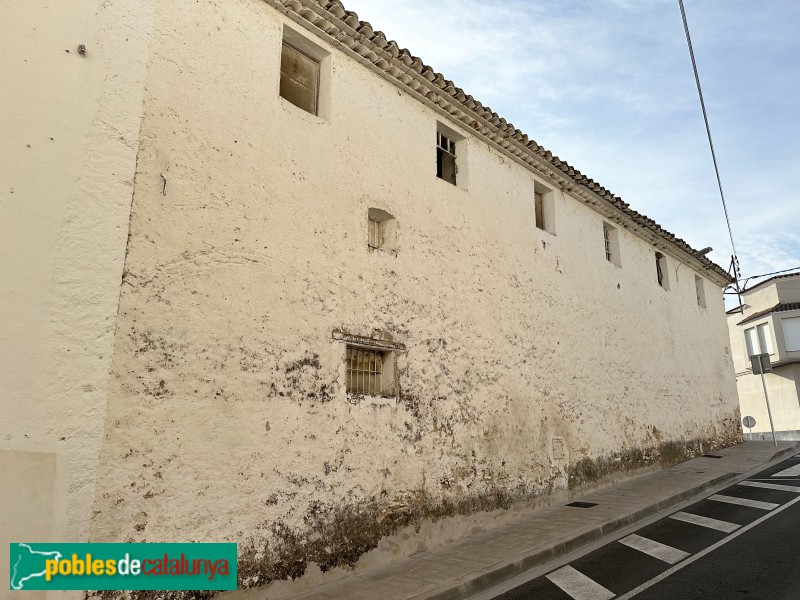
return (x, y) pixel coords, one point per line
(364, 371)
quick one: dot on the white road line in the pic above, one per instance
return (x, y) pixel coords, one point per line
(790, 472)
(702, 553)
(772, 486)
(744, 502)
(705, 522)
(578, 585)
(655, 549)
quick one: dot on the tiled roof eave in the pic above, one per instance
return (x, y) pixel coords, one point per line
(780, 307)
(770, 280)
(341, 28)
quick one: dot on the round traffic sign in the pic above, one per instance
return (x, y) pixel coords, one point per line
(749, 422)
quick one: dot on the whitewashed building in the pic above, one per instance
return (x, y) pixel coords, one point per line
(768, 322)
(277, 282)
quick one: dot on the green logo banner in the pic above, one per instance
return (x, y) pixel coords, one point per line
(122, 566)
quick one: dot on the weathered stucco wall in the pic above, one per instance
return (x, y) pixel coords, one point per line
(228, 418)
(70, 126)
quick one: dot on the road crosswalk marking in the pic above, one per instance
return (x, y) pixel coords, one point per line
(705, 522)
(744, 502)
(578, 585)
(655, 549)
(772, 486)
(790, 472)
(695, 557)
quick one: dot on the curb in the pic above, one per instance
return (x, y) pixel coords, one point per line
(482, 581)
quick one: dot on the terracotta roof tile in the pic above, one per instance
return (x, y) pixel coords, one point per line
(783, 307)
(786, 276)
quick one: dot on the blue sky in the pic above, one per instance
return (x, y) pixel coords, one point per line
(607, 86)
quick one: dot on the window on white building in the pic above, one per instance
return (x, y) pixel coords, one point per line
(538, 201)
(758, 340)
(764, 339)
(305, 73)
(662, 273)
(381, 230)
(369, 372)
(375, 234)
(700, 290)
(446, 167)
(543, 208)
(791, 332)
(751, 340)
(299, 78)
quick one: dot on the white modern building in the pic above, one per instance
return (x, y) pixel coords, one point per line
(769, 323)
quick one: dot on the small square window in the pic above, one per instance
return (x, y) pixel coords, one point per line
(365, 372)
(370, 365)
(381, 230)
(446, 167)
(299, 78)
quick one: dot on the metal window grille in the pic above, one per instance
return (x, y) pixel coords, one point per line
(607, 238)
(364, 371)
(375, 234)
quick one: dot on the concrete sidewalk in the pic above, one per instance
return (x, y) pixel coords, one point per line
(467, 566)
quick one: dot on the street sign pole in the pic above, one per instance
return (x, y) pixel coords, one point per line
(769, 412)
(761, 363)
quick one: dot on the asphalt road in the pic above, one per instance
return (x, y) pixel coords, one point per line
(741, 542)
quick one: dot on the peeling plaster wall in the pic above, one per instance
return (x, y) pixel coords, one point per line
(227, 415)
(69, 126)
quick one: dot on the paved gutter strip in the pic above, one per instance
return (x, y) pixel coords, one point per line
(492, 577)
(461, 583)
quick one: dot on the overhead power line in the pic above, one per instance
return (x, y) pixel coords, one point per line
(735, 260)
